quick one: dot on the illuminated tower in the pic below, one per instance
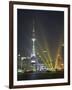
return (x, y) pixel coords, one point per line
(34, 60)
(33, 54)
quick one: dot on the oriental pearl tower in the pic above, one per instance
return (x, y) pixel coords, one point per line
(33, 54)
(34, 60)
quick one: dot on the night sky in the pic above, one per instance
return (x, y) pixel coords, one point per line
(49, 28)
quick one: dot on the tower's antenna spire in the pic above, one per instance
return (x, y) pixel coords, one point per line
(33, 28)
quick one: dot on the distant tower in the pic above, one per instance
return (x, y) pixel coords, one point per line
(33, 54)
(34, 60)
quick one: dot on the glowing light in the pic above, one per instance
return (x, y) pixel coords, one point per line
(33, 48)
(32, 61)
(33, 39)
(59, 61)
(23, 58)
(45, 56)
(33, 54)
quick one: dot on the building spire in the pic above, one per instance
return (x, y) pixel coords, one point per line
(33, 28)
